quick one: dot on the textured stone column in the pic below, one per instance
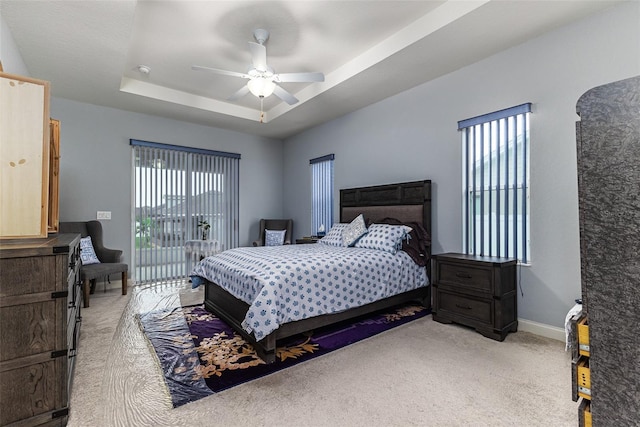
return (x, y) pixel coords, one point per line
(608, 142)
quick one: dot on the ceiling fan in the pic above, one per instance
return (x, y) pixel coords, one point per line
(263, 81)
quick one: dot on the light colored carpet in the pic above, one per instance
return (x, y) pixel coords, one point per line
(420, 374)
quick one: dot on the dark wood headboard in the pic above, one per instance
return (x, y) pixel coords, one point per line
(407, 202)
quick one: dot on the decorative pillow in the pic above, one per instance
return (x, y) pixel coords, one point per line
(274, 237)
(355, 230)
(334, 236)
(384, 237)
(417, 243)
(87, 253)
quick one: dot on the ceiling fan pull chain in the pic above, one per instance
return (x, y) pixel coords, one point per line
(261, 112)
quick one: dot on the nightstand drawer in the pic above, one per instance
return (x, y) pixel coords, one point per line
(470, 277)
(467, 306)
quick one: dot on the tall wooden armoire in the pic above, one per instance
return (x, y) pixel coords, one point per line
(608, 142)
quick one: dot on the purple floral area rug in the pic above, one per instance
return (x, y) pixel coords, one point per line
(200, 354)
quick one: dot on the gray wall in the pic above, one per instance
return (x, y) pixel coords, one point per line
(407, 137)
(96, 159)
(9, 54)
(413, 136)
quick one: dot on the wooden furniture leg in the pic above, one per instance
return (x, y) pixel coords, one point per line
(86, 288)
(124, 283)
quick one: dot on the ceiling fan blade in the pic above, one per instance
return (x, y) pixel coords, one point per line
(258, 56)
(299, 77)
(218, 71)
(239, 94)
(284, 95)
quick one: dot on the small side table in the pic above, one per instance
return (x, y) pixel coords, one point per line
(195, 250)
(306, 240)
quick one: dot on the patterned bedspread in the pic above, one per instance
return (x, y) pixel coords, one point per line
(292, 282)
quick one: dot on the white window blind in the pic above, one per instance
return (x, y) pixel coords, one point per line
(496, 183)
(175, 189)
(321, 193)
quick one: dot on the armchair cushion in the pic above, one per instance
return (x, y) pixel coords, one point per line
(94, 229)
(98, 271)
(87, 253)
(274, 237)
(274, 224)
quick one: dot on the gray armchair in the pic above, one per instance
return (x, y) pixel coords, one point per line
(275, 224)
(109, 258)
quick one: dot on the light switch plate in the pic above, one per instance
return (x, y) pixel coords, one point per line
(104, 215)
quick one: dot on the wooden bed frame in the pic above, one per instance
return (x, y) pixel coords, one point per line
(407, 202)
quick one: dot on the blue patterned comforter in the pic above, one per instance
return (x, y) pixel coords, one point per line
(282, 284)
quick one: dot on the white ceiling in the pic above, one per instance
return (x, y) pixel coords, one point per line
(368, 50)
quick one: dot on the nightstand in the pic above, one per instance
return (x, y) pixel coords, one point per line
(305, 240)
(476, 291)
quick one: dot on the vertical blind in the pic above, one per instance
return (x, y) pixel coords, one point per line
(496, 183)
(175, 190)
(321, 193)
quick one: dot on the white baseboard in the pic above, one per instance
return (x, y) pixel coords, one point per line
(542, 329)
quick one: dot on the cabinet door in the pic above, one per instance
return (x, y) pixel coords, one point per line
(24, 150)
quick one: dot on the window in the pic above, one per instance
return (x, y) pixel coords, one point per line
(175, 189)
(321, 193)
(495, 183)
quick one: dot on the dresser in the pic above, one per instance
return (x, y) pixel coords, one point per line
(476, 291)
(40, 304)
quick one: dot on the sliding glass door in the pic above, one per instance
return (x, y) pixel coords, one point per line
(180, 194)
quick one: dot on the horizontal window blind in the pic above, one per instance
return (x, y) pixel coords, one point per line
(496, 183)
(321, 193)
(176, 189)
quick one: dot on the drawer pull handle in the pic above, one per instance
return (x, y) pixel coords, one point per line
(463, 275)
(466, 307)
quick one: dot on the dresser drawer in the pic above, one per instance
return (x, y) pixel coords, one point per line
(475, 278)
(583, 337)
(582, 378)
(472, 308)
(35, 388)
(584, 413)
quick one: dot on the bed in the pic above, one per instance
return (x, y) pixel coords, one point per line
(397, 205)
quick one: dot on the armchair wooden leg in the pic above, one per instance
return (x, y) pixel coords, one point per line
(124, 283)
(86, 288)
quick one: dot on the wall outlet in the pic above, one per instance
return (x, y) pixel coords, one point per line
(104, 215)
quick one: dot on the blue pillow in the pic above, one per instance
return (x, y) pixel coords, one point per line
(274, 237)
(384, 237)
(87, 253)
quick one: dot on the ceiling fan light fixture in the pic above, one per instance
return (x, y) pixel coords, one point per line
(261, 87)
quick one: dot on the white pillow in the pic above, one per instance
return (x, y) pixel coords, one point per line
(274, 237)
(334, 236)
(87, 253)
(355, 230)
